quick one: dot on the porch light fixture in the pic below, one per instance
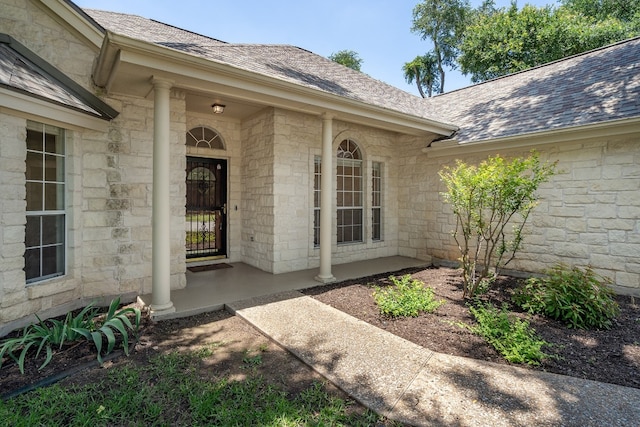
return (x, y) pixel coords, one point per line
(218, 108)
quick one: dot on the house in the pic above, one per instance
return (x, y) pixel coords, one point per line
(131, 149)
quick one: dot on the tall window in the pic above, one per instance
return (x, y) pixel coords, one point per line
(376, 201)
(349, 192)
(316, 200)
(45, 230)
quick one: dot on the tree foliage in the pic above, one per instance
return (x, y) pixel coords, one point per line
(507, 40)
(423, 70)
(442, 22)
(624, 10)
(485, 200)
(348, 58)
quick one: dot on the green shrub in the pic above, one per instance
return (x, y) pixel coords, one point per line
(491, 203)
(511, 337)
(406, 298)
(580, 298)
(45, 335)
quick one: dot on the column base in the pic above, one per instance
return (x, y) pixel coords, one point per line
(160, 311)
(325, 279)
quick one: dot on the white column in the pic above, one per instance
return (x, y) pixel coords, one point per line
(325, 275)
(161, 262)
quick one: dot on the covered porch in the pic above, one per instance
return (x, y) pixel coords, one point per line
(211, 290)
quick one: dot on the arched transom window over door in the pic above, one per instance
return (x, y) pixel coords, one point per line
(349, 193)
(205, 137)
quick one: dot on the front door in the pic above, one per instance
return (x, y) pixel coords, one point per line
(206, 220)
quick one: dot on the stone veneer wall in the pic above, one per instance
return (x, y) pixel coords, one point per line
(295, 133)
(118, 188)
(258, 201)
(108, 191)
(589, 213)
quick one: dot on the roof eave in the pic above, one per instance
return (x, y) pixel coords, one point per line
(171, 62)
(618, 127)
(44, 111)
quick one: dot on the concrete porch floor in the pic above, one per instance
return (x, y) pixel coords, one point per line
(211, 290)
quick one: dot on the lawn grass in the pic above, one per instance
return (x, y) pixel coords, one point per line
(171, 390)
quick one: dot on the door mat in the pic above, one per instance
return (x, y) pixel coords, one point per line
(210, 267)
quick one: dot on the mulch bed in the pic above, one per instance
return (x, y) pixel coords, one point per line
(611, 356)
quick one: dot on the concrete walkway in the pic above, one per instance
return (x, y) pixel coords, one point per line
(411, 384)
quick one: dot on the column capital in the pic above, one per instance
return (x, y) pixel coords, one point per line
(159, 82)
(327, 116)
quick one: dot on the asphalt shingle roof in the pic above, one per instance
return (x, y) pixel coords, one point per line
(22, 71)
(593, 87)
(283, 62)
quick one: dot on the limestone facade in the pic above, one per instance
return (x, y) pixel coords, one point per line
(589, 213)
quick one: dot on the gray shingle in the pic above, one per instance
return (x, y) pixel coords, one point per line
(593, 87)
(284, 62)
(20, 74)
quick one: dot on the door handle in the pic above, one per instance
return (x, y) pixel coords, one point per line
(224, 209)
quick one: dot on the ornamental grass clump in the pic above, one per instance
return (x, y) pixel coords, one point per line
(406, 298)
(580, 298)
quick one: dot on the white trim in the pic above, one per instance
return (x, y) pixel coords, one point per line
(29, 107)
(597, 130)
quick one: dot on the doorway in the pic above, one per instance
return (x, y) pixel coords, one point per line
(206, 213)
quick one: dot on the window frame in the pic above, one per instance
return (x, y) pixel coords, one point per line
(350, 194)
(43, 212)
(317, 194)
(377, 170)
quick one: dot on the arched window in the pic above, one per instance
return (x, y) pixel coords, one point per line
(202, 136)
(349, 185)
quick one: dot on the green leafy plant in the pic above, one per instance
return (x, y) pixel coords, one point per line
(45, 335)
(113, 322)
(406, 298)
(580, 298)
(486, 200)
(511, 337)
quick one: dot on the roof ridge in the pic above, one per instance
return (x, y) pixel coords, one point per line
(85, 10)
(547, 64)
(182, 29)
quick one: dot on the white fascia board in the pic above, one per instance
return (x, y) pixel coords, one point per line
(19, 104)
(170, 63)
(530, 140)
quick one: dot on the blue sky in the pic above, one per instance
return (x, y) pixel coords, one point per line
(378, 30)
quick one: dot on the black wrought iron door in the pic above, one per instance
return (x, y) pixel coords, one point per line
(206, 217)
